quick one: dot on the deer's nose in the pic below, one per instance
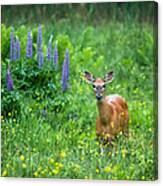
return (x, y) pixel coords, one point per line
(98, 97)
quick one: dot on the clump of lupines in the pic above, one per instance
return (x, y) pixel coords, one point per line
(9, 80)
(49, 49)
(29, 45)
(40, 56)
(55, 56)
(65, 71)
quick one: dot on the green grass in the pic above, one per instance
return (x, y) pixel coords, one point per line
(63, 144)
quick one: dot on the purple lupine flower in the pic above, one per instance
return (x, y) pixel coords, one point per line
(14, 51)
(65, 71)
(40, 57)
(67, 59)
(18, 48)
(29, 45)
(56, 55)
(39, 40)
(9, 80)
(49, 49)
(11, 45)
(64, 76)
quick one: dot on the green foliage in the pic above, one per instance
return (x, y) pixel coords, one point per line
(48, 133)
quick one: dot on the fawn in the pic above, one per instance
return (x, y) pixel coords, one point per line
(113, 110)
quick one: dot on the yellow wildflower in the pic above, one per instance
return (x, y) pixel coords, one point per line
(60, 165)
(51, 161)
(9, 114)
(56, 164)
(143, 178)
(150, 129)
(22, 158)
(7, 166)
(13, 130)
(24, 166)
(43, 172)
(97, 170)
(82, 158)
(96, 153)
(4, 173)
(62, 154)
(55, 171)
(124, 153)
(107, 169)
(36, 174)
(127, 178)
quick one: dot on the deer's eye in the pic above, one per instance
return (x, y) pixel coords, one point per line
(94, 86)
(103, 86)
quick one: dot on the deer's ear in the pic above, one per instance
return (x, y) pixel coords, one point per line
(108, 77)
(89, 77)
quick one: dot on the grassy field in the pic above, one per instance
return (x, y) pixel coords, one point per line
(50, 133)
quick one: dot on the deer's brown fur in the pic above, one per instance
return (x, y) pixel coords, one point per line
(113, 116)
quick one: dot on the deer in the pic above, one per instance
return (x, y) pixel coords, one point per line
(113, 109)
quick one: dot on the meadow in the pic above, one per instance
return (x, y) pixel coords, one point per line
(48, 121)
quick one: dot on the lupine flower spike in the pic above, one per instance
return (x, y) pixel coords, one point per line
(29, 45)
(67, 58)
(39, 40)
(11, 45)
(64, 75)
(40, 59)
(65, 71)
(14, 51)
(18, 48)
(49, 49)
(40, 56)
(9, 80)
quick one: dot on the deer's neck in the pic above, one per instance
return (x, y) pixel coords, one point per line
(104, 111)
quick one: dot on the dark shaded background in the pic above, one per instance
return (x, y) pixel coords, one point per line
(90, 12)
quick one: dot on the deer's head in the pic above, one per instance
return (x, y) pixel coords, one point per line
(98, 83)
